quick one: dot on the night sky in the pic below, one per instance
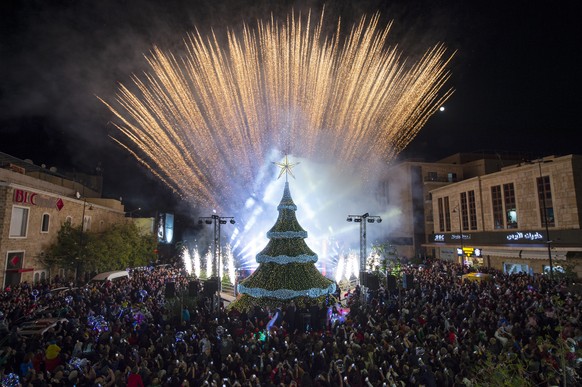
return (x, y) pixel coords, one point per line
(515, 75)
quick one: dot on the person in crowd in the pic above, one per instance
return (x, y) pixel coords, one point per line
(134, 379)
(442, 331)
(186, 316)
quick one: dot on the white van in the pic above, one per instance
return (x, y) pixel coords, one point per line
(109, 276)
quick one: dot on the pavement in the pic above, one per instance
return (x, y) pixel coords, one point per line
(227, 297)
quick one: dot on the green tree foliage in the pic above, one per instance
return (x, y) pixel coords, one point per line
(506, 370)
(119, 247)
(65, 251)
(388, 257)
(511, 369)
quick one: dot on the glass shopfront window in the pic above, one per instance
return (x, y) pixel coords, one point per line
(515, 268)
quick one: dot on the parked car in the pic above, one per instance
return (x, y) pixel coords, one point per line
(112, 276)
(61, 292)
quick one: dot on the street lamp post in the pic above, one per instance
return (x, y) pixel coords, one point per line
(548, 241)
(217, 221)
(81, 237)
(458, 211)
(363, 219)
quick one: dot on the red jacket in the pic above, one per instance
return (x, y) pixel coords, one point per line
(134, 380)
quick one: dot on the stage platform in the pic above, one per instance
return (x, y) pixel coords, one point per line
(227, 297)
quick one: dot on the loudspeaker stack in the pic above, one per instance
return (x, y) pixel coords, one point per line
(407, 281)
(192, 288)
(391, 282)
(210, 286)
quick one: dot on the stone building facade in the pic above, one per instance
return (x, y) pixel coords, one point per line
(406, 190)
(34, 203)
(524, 218)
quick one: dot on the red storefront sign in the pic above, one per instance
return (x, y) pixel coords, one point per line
(24, 197)
(31, 198)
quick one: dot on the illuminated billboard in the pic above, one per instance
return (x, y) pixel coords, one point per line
(165, 227)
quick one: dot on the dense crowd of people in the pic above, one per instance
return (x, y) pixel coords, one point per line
(439, 331)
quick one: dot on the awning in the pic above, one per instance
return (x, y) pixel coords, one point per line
(525, 254)
(558, 253)
(23, 270)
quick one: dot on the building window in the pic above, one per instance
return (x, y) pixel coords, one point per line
(40, 277)
(545, 202)
(515, 268)
(432, 176)
(447, 214)
(464, 212)
(472, 211)
(497, 202)
(510, 206)
(18, 222)
(45, 223)
(87, 223)
(441, 215)
(555, 268)
(444, 214)
(383, 193)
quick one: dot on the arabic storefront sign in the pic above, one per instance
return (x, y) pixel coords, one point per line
(530, 236)
(513, 237)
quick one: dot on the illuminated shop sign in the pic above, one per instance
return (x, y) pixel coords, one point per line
(515, 238)
(451, 237)
(469, 252)
(529, 236)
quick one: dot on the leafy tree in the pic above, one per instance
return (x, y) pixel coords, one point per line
(120, 246)
(67, 248)
(505, 370)
(511, 369)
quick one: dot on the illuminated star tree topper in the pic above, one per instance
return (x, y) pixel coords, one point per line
(285, 168)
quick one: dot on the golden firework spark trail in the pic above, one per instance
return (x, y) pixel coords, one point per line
(204, 123)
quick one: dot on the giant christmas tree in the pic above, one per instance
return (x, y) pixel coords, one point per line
(286, 265)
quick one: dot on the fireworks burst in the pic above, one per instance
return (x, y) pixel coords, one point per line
(207, 123)
(196, 262)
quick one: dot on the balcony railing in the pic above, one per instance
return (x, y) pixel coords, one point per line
(440, 179)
